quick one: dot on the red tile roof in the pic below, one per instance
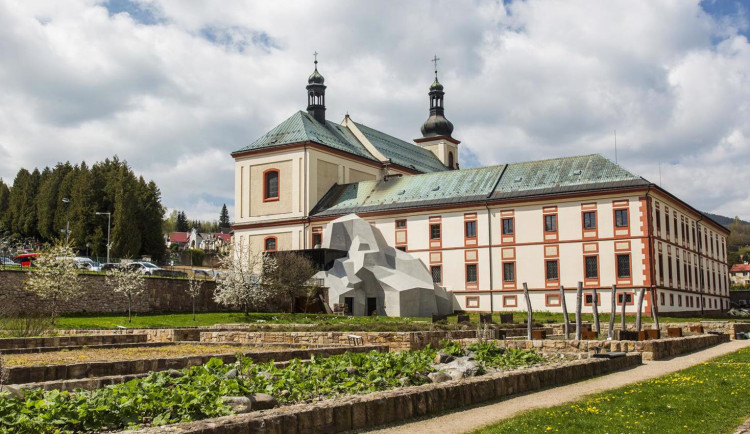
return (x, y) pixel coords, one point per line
(737, 268)
(179, 237)
(226, 237)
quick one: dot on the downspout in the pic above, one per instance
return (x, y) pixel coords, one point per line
(700, 261)
(489, 235)
(650, 223)
(305, 211)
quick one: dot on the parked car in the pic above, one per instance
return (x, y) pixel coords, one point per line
(6, 261)
(144, 267)
(25, 259)
(87, 264)
(109, 266)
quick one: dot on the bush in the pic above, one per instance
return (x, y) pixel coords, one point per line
(196, 256)
(24, 324)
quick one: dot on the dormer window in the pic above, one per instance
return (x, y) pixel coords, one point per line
(270, 185)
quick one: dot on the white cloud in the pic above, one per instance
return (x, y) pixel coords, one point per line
(174, 87)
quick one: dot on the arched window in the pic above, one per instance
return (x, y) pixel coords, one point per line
(270, 185)
(450, 160)
(269, 244)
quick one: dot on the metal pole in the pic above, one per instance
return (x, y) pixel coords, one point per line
(529, 317)
(566, 324)
(612, 314)
(579, 293)
(595, 308)
(109, 225)
(638, 312)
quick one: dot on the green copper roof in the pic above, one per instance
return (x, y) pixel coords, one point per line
(557, 175)
(453, 186)
(301, 127)
(516, 180)
(402, 153)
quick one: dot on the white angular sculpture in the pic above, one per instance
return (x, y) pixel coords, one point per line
(377, 276)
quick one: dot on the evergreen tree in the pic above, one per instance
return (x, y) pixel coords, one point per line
(4, 195)
(126, 238)
(83, 208)
(150, 217)
(182, 222)
(224, 217)
(22, 215)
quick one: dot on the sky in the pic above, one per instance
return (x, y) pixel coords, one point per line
(174, 86)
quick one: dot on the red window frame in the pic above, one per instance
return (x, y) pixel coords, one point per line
(275, 243)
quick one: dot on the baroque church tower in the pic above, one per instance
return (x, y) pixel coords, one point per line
(437, 130)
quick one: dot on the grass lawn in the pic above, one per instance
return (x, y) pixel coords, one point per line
(94, 321)
(713, 397)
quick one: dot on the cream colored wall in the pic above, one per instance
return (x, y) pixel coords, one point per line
(248, 188)
(287, 237)
(327, 169)
(441, 148)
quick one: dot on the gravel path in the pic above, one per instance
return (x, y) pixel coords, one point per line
(476, 417)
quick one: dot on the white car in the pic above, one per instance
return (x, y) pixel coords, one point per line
(88, 264)
(143, 267)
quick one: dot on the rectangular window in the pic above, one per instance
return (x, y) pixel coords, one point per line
(679, 300)
(437, 274)
(661, 298)
(621, 218)
(589, 220)
(678, 272)
(552, 270)
(627, 296)
(400, 224)
(589, 299)
(471, 273)
(661, 268)
(435, 232)
(317, 239)
(508, 226)
(671, 299)
(666, 222)
(592, 268)
(471, 229)
(550, 223)
(623, 265)
(509, 272)
(658, 220)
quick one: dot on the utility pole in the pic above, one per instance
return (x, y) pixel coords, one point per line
(109, 225)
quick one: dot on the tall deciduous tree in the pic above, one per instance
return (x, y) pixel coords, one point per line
(54, 276)
(224, 217)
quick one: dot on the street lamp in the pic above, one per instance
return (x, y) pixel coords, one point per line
(67, 224)
(109, 224)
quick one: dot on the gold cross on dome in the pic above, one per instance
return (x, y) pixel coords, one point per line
(435, 61)
(316, 56)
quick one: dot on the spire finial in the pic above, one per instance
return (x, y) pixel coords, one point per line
(435, 61)
(316, 59)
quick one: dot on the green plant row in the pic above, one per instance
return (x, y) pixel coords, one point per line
(164, 398)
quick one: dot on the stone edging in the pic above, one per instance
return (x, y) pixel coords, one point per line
(374, 409)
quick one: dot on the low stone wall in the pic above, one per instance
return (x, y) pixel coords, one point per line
(39, 374)
(68, 341)
(651, 349)
(161, 295)
(152, 335)
(728, 327)
(374, 409)
(396, 341)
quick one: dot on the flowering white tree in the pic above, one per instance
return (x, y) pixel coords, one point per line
(129, 282)
(194, 290)
(240, 284)
(54, 276)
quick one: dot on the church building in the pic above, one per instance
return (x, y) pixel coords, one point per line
(484, 232)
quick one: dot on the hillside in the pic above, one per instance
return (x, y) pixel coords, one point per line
(722, 220)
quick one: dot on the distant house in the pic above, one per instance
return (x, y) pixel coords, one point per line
(740, 274)
(180, 238)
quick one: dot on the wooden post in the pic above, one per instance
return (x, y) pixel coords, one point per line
(566, 324)
(595, 308)
(654, 314)
(622, 314)
(612, 314)
(638, 312)
(529, 318)
(579, 293)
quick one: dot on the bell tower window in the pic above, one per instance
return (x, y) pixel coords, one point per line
(270, 185)
(450, 160)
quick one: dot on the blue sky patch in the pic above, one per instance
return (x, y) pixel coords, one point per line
(140, 13)
(732, 11)
(238, 38)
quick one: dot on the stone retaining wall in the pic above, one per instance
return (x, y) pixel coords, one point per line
(152, 335)
(374, 409)
(39, 374)
(161, 295)
(727, 327)
(651, 349)
(68, 341)
(396, 341)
